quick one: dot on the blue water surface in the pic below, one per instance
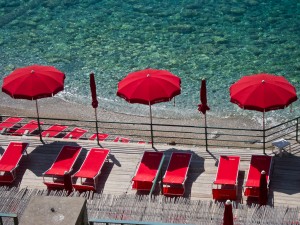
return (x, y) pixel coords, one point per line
(219, 40)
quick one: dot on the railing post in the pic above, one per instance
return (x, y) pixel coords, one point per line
(264, 140)
(297, 127)
(205, 130)
(1, 222)
(16, 221)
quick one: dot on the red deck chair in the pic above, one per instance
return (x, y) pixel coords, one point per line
(54, 130)
(122, 140)
(76, 133)
(101, 136)
(28, 128)
(147, 170)
(90, 170)
(10, 161)
(9, 123)
(258, 163)
(62, 164)
(176, 174)
(225, 184)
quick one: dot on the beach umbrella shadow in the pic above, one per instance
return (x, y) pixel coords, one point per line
(285, 176)
(195, 170)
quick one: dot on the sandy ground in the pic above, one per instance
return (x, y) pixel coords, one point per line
(58, 108)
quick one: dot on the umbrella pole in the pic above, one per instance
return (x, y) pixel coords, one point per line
(151, 126)
(205, 127)
(38, 119)
(97, 127)
(264, 134)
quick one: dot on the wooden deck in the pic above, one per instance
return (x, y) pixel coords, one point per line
(117, 173)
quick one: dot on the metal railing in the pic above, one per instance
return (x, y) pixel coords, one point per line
(9, 215)
(107, 222)
(175, 134)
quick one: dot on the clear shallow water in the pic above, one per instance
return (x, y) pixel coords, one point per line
(218, 40)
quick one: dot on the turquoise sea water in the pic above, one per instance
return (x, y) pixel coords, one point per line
(218, 40)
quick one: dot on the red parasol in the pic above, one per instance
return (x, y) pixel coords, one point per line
(263, 189)
(149, 86)
(228, 215)
(262, 92)
(34, 82)
(94, 101)
(203, 107)
(93, 90)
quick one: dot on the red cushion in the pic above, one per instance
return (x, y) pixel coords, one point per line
(177, 169)
(93, 163)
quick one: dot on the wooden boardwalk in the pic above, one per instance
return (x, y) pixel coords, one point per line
(117, 173)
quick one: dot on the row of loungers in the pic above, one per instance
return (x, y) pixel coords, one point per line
(7, 126)
(225, 185)
(84, 179)
(58, 176)
(175, 176)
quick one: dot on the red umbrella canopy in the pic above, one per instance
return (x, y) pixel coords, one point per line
(149, 86)
(262, 92)
(33, 82)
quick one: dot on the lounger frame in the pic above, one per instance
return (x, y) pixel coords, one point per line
(69, 135)
(226, 190)
(253, 190)
(8, 124)
(176, 188)
(9, 176)
(54, 130)
(84, 184)
(57, 179)
(23, 131)
(147, 182)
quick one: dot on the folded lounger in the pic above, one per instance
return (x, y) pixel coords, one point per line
(258, 163)
(62, 165)
(9, 123)
(28, 128)
(176, 174)
(101, 137)
(122, 140)
(90, 170)
(76, 133)
(10, 161)
(147, 170)
(54, 130)
(225, 184)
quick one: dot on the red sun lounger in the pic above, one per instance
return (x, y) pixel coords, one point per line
(122, 140)
(54, 130)
(147, 170)
(258, 163)
(62, 165)
(28, 128)
(76, 133)
(101, 136)
(9, 123)
(225, 184)
(176, 174)
(90, 170)
(10, 161)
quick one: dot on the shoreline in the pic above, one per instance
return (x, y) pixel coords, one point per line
(57, 108)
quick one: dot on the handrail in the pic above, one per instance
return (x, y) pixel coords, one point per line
(9, 215)
(107, 221)
(159, 174)
(209, 136)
